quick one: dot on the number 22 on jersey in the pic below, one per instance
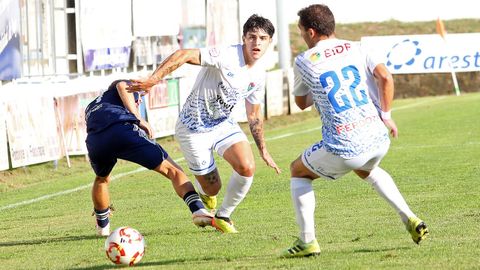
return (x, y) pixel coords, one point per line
(349, 74)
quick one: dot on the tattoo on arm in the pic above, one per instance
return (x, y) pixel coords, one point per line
(170, 64)
(166, 69)
(256, 128)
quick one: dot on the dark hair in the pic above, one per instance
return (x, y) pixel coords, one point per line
(318, 17)
(256, 22)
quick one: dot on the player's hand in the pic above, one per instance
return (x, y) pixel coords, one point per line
(141, 85)
(146, 127)
(392, 127)
(270, 162)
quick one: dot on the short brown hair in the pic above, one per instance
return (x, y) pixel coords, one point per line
(318, 17)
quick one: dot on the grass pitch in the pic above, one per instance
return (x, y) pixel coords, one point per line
(45, 220)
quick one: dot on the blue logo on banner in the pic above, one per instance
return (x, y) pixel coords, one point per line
(403, 53)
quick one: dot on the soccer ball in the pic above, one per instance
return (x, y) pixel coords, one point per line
(125, 246)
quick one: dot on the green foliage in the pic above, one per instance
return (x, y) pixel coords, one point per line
(434, 163)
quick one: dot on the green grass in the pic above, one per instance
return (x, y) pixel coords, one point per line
(435, 164)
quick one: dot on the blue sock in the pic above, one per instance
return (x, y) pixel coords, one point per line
(193, 201)
(102, 217)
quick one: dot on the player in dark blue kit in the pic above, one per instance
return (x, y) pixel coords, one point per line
(115, 130)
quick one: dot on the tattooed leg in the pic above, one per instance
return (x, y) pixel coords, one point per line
(210, 182)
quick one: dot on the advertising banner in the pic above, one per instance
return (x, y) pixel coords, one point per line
(410, 54)
(33, 133)
(163, 107)
(106, 33)
(10, 58)
(3, 138)
(71, 111)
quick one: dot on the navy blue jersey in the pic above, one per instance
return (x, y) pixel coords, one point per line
(108, 109)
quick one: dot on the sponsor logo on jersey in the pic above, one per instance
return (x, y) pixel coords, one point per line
(362, 123)
(224, 104)
(230, 74)
(251, 86)
(214, 52)
(339, 49)
(314, 57)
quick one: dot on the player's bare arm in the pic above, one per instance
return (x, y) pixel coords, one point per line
(386, 92)
(171, 63)
(255, 122)
(129, 102)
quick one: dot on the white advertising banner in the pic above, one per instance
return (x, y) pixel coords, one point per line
(156, 18)
(106, 33)
(274, 93)
(3, 138)
(32, 129)
(409, 54)
(71, 111)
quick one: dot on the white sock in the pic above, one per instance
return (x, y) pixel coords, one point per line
(202, 211)
(237, 189)
(383, 183)
(198, 187)
(303, 199)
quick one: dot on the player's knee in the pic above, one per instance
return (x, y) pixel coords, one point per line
(294, 170)
(102, 179)
(246, 169)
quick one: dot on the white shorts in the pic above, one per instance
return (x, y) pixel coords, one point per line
(330, 166)
(197, 148)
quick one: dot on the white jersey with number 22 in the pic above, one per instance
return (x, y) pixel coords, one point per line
(339, 76)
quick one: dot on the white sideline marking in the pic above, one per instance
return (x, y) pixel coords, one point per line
(118, 176)
(68, 191)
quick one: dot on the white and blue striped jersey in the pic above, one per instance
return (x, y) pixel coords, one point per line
(223, 81)
(340, 76)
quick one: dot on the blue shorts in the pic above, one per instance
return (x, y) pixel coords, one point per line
(125, 141)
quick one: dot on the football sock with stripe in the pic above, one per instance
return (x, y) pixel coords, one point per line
(102, 217)
(193, 201)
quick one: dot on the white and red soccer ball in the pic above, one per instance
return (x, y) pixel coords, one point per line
(125, 246)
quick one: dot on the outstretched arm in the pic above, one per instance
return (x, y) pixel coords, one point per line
(255, 121)
(132, 106)
(171, 63)
(386, 86)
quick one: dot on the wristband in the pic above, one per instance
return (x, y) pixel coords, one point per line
(386, 115)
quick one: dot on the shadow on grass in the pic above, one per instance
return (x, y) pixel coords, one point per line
(181, 263)
(49, 240)
(369, 250)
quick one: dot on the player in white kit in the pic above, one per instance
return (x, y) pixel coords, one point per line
(229, 75)
(336, 76)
